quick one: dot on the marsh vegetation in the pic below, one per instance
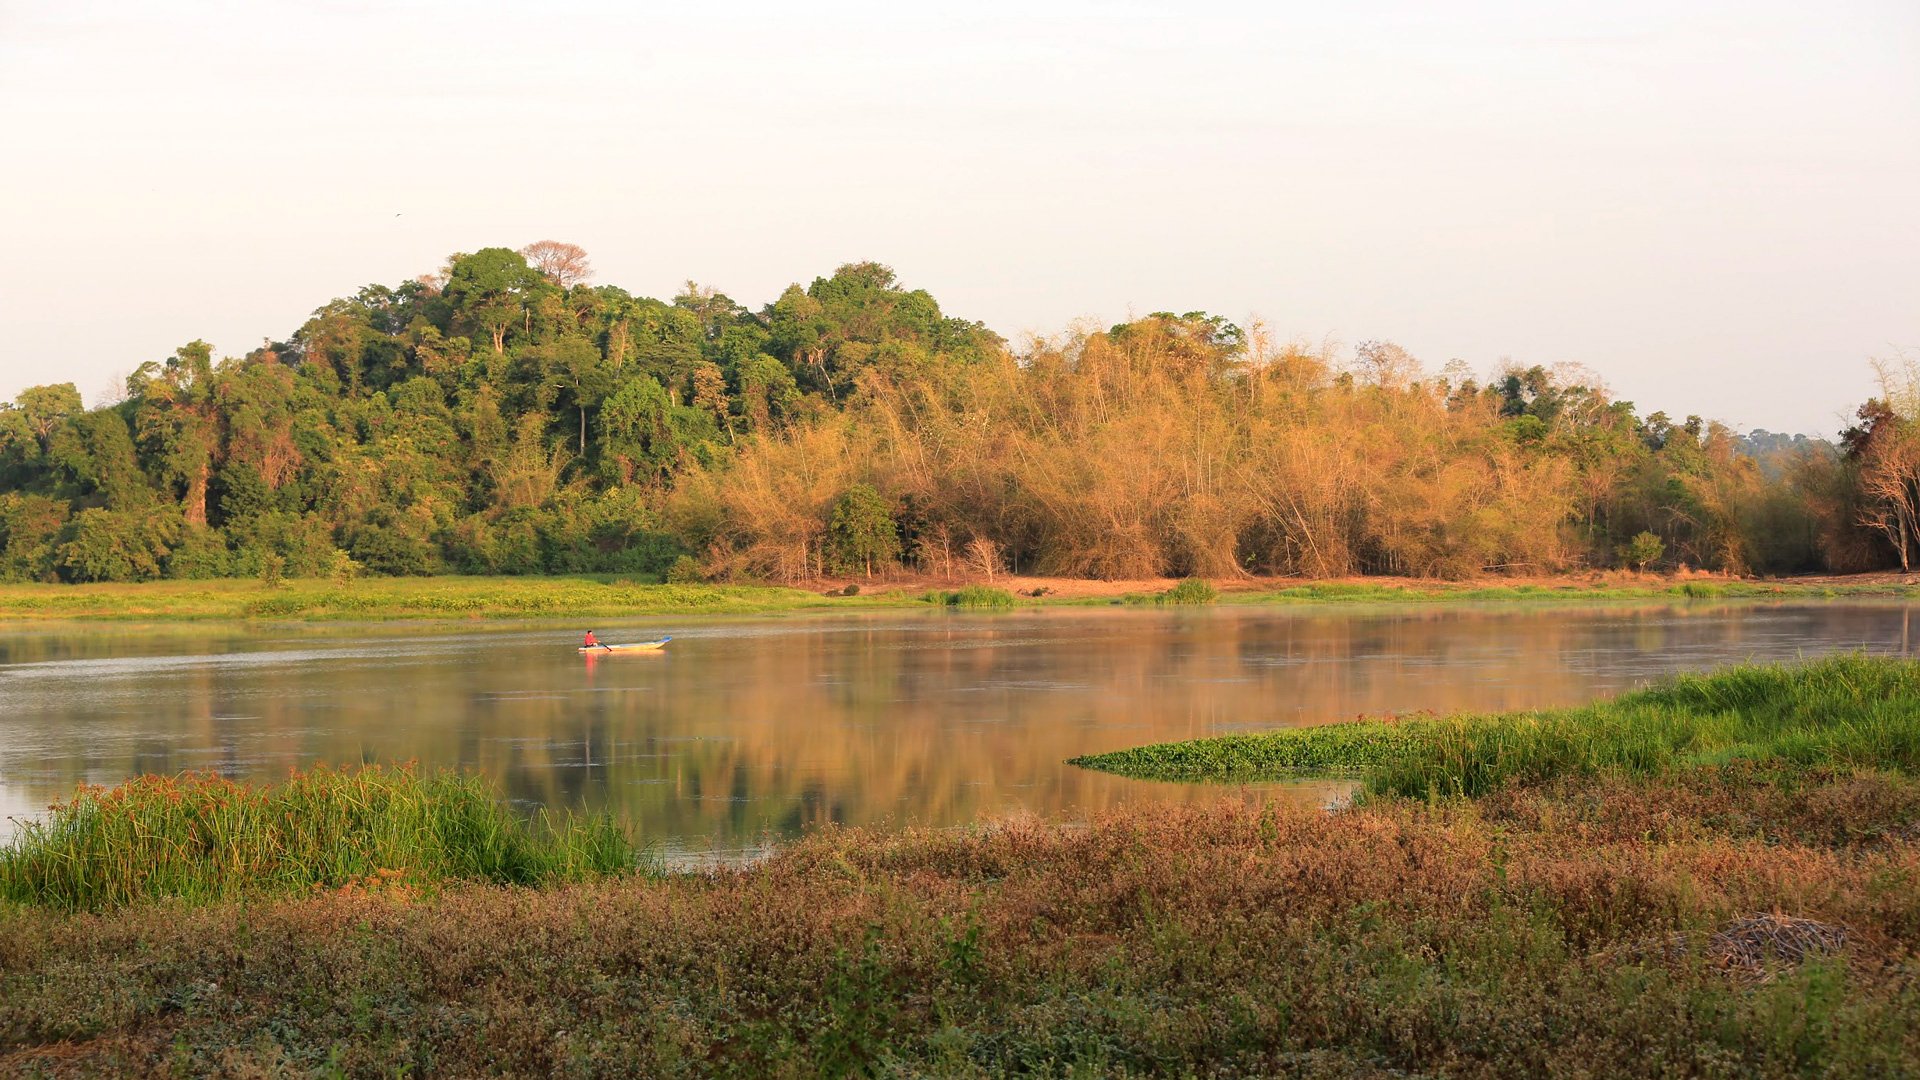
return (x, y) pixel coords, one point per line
(1711, 877)
(1845, 712)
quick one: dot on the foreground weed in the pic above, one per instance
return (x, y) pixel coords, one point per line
(1532, 934)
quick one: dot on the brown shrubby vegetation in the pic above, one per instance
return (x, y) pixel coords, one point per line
(1171, 446)
(1589, 928)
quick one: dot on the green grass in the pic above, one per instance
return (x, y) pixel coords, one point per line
(201, 839)
(973, 596)
(1190, 591)
(1849, 712)
(1571, 590)
(402, 598)
(1187, 591)
(604, 596)
(1346, 749)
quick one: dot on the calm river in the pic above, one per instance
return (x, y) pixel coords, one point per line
(753, 729)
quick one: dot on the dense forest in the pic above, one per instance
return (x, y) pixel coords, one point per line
(504, 416)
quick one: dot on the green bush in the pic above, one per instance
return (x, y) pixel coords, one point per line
(342, 569)
(200, 553)
(399, 550)
(116, 545)
(1644, 548)
(685, 571)
(305, 541)
(29, 528)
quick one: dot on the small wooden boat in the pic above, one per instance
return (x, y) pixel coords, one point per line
(630, 647)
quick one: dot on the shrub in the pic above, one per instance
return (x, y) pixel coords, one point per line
(116, 545)
(685, 571)
(200, 553)
(305, 541)
(1643, 549)
(398, 550)
(29, 527)
(342, 569)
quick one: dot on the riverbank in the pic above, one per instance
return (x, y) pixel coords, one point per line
(606, 597)
(1739, 904)
(1550, 932)
(399, 598)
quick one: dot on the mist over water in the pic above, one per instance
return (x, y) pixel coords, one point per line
(746, 731)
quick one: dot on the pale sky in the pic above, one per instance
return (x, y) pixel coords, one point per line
(1716, 206)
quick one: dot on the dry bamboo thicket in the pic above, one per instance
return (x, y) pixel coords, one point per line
(1155, 450)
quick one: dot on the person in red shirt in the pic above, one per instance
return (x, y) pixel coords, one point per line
(591, 641)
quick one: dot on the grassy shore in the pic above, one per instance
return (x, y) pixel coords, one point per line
(1586, 928)
(1571, 590)
(1715, 877)
(607, 597)
(401, 598)
(1853, 712)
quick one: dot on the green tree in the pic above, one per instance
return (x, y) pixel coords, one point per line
(862, 531)
(1643, 549)
(94, 456)
(576, 368)
(45, 408)
(178, 417)
(488, 291)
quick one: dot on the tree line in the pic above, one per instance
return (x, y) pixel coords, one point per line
(506, 416)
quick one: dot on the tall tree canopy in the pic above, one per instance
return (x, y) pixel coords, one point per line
(506, 415)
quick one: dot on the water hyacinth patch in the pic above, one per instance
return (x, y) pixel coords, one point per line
(1852, 711)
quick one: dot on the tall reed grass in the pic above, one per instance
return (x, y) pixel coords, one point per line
(202, 839)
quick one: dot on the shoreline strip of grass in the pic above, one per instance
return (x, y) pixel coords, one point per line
(1851, 711)
(399, 598)
(1571, 591)
(605, 597)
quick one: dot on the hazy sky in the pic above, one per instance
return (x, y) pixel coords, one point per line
(1714, 205)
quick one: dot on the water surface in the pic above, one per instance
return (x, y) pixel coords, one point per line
(748, 730)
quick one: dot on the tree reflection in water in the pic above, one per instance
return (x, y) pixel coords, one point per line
(746, 729)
